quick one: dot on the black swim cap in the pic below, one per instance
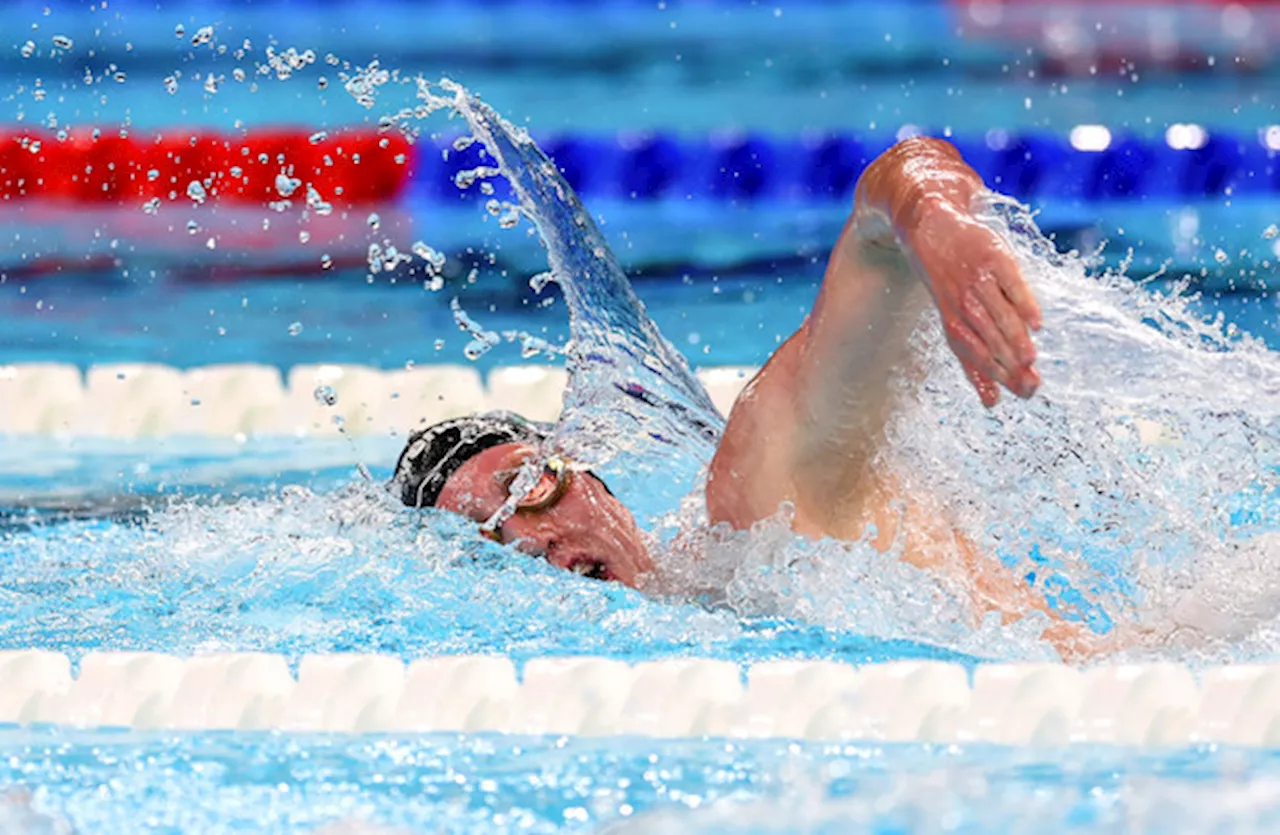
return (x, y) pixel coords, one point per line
(433, 454)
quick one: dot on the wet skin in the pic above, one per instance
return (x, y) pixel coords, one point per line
(585, 530)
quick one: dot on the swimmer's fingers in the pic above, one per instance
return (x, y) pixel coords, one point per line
(982, 369)
(1006, 334)
(985, 386)
(1018, 292)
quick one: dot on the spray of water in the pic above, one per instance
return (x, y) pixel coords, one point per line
(1136, 492)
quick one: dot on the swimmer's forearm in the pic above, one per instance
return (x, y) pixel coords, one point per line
(902, 183)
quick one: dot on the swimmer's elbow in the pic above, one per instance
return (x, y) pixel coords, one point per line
(912, 174)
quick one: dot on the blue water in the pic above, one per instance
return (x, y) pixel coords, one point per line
(280, 546)
(264, 783)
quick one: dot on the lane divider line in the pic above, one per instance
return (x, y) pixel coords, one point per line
(1157, 704)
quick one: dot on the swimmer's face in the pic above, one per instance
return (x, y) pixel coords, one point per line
(585, 530)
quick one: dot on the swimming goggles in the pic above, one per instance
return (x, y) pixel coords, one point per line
(560, 475)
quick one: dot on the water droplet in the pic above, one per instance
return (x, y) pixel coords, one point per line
(192, 227)
(510, 218)
(238, 74)
(326, 396)
(212, 243)
(1220, 257)
(1271, 232)
(179, 31)
(493, 207)
(374, 221)
(439, 344)
(304, 236)
(202, 36)
(538, 282)
(295, 329)
(435, 260)
(211, 84)
(195, 190)
(153, 175)
(316, 203)
(28, 49)
(62, 42)
(171, 84)
(318, 137)
(326, 263)
(286, 185)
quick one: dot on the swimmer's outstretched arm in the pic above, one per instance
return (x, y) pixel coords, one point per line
(805, 430)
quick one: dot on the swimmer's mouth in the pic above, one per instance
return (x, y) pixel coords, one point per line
(591, 568)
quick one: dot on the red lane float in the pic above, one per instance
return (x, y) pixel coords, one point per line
(261, 166)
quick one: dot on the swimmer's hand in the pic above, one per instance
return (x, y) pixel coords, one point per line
(988, 310)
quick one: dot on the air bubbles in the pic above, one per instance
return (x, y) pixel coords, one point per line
(1271, 232)
(326, 396)
(196, 191)
(374, 221)
(62, 42)
(171, 84)
(202, 36)
(304, 236)
(179, 31)
(211, 243)
(192, 227)
(318, 137)
(152, 206)
(238, 74)
(28, 49)
(326, 262)
(295, 328)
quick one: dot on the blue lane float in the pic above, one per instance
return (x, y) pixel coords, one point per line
(756, 167)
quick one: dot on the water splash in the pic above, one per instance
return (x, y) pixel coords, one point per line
(633, 409)
(1144, 468)
(1144, 471)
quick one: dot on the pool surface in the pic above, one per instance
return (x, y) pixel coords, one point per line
(202, 394)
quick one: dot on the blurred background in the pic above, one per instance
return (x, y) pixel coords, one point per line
(193, 183)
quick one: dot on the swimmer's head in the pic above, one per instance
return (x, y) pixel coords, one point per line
(435, 453)
(467, 466)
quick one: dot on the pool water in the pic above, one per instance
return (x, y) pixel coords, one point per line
(285, 545)
(452, 784)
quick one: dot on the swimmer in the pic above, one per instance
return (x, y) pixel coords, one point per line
(805, 430)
